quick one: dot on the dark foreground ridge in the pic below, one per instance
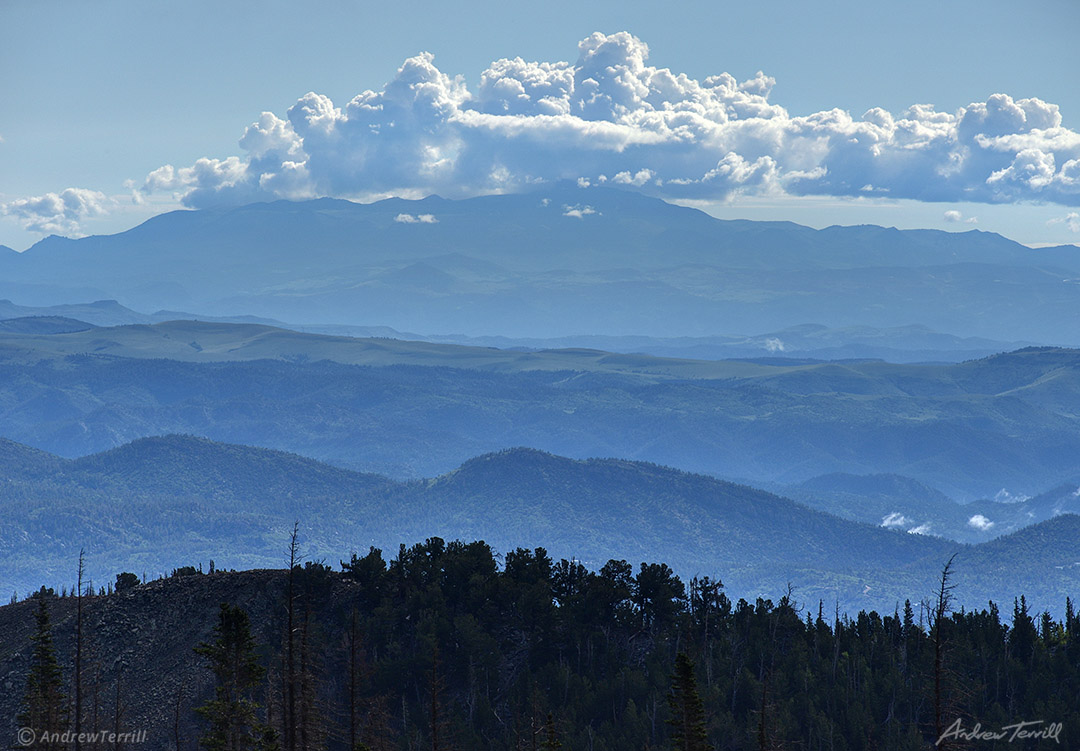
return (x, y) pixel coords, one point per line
(446, 646)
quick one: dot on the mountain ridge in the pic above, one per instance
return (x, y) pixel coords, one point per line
(909, 343)
(561, 261)
(592, 509)
(417, 409)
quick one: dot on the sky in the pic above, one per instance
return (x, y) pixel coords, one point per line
(956, 115)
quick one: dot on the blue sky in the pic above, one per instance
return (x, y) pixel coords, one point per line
(99, 97)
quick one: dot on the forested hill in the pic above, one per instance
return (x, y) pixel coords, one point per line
(160, 503)
(446, 645)
(419, 409)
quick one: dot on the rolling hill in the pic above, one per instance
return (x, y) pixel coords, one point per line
(416, 409)
(161, 503)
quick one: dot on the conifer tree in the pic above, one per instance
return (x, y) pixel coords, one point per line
(43, 702)
(687, 710)
(232, 714)
(551, 739)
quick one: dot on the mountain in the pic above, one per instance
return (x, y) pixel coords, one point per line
(156, 502)
(43, 325)
(112, 313)
(418, 409)
(529, 265)
(903, 503)
(886, 500)
(900, 344)
(1064, 499)
(161, 503)
(813, 341)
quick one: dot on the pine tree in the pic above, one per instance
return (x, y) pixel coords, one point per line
(551, 740)
(43, 703)
(687, 710)
(233, 713)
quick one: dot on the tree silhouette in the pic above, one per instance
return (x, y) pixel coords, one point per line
(43, 703)
(232, 714)
(687, 710)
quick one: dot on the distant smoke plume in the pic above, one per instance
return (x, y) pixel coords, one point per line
(895, 519)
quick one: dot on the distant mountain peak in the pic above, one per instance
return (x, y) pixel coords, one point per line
(561, 260)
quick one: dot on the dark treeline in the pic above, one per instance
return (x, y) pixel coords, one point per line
(447, 647)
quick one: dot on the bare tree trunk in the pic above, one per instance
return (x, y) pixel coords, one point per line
(305, 703)
(118, 713)
(941, 608)
(290, 661)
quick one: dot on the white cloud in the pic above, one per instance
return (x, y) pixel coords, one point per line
(952, 216)
(611, 113)
(1070, 220)
(416, 219)
(980, 523)
(58, 213)
(895, 519)
(637, 179)
(922, 529)
(579, 211)
(774, 345)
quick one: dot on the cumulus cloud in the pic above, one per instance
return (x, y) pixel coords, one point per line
(922, 529)
(416, 219)
(638, 179)
(578, 211)
(57, 213)
(612, 117)
(953, 216)
(980, 523)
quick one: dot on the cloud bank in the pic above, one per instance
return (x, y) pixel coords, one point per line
(57, 213)
(610, 117)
